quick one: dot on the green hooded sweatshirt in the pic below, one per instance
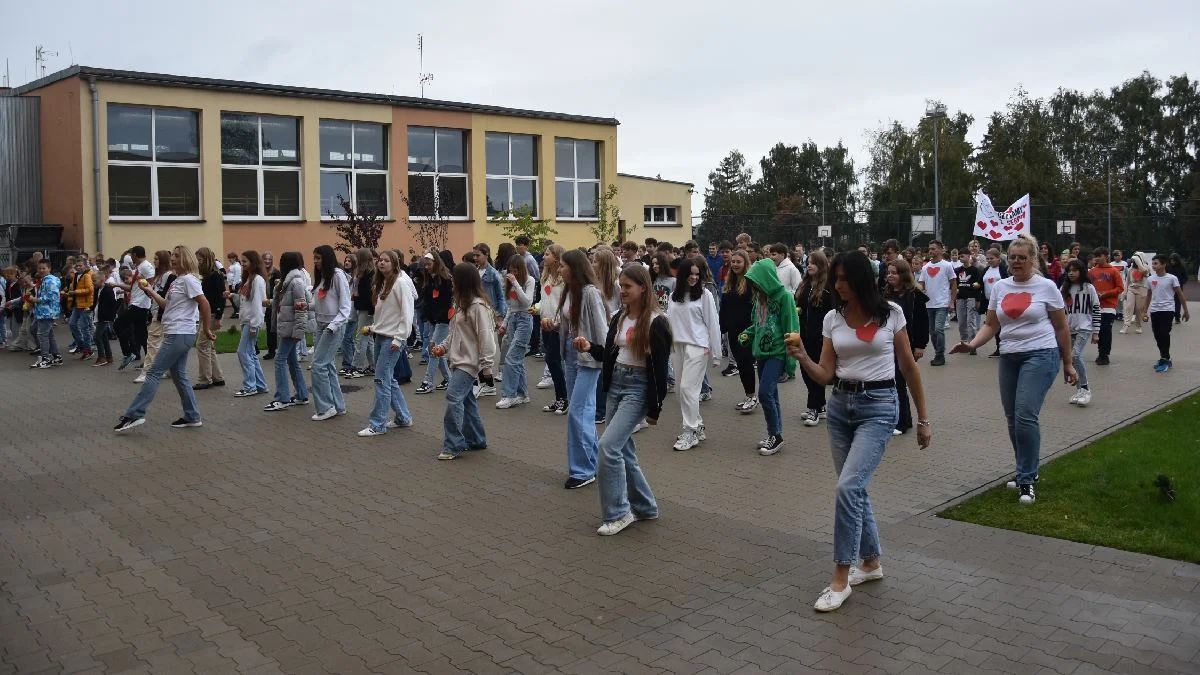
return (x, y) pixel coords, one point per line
(770, 322)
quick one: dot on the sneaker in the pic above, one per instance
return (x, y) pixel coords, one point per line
(139, 379)
(770, 445)
(686, 441)
(994, 355)
(73, 349)
(506, 403)
(297, 401)
(783, 378)
(821, 413)
(269, 356)
(322, 416)
(40, 363)
(1167, 365)
(185, 423)
(102, 362)
(398, 423)
(641, 425)
(1027, 495)
(485, 390)
(354, 374)
(700, 433)
(670, 388)
(614, 526)
(1137, 330)
(344, 371)
(446, 454)
(35, 352)
(747, 405)
(424, 360)
(1075, 397)
(897, 432)
(539, 354)
(1102, 360)
(860, 576)
(425, 388)
(706, 396)
(218, 383)
(443, 386)
(576, 483)
(86, 354)
(938, 361)
(127, 423)
(1124, 330)
(1085, 397)
(369, 432)
(831, 599)
(811, 418)
(553, 406)
(56, 360)
(243, 393)
(561, 407)
(274, 406)
(730, 371)
(545, 383)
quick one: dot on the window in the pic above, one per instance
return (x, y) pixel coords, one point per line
(354, 167)
(511, 173)
(153, 163)
(661, 215)
(260, 166)
(437, 173)
(576, 178)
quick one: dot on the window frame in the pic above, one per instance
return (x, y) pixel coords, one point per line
(154, 165)
(436, 173)
(510, 176)
(354, 171)
(651, 222)
(260, 168)
(576, 180)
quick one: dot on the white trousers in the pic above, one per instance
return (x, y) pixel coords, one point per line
(690, 361)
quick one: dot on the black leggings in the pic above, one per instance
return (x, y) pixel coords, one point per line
(816, 392)
(1160, 325)
(131, 324)
(905, 422)
(743, 356)
(553, 353)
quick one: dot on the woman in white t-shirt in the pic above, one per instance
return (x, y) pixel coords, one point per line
(1030, 311)
(183, 304)
(863, 340)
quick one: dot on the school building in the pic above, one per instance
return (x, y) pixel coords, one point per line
(142, 158)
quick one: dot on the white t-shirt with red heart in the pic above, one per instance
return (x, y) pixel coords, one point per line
(1023, 308)
(990, 276)
(936, 278)
(1162, 292)
(864, 354)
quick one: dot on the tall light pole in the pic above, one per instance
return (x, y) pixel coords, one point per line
(935, 110)
(1108, 170)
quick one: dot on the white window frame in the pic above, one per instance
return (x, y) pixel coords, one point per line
(509, 177)
(576, 181)
(354, 171)
(653, 221)
(436, 173)
(260, 168)
(154, 165)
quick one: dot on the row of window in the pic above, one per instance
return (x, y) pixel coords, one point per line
(154, 168)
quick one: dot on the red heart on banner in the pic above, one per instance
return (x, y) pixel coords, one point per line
(981, 225)
(932, 270)
(1015, 304)
(995, 224)
(867, 332)
(1008, 227)
(995, 234)
(1020, 226)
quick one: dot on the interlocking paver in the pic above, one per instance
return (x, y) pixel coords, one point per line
(268, 543)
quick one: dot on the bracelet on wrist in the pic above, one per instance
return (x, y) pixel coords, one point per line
(924, 423)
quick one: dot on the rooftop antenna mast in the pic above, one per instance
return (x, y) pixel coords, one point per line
(39, 59)
(424, 76)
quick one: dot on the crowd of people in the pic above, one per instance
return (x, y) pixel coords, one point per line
(618, 328)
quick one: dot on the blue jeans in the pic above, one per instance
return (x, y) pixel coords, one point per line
(623, 488)
(518, 328)
(937, 329)
(1025, 379)
(348, 341)
(326, 390)
(581, 416)
(426, 332)
(247, 352)
(1079, 342)
(287, 364)
(46, 342)
(387, 390)
(438, 334)
(403, 370)
(173, 356)
(80, 324)
(860, 426)
(462, 426)
(768, 394)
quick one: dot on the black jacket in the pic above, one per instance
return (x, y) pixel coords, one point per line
(363, 302)
(214, 291)
(735, 310)
(660, 354)
(915, 316)
(106, 304)
(437, 309)
(812, 319)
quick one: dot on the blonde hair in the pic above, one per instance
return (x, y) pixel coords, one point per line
(608, 268)
(550, 269)
(1028, 241)
(187, 260)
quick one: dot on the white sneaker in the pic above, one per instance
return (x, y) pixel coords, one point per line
(811, 418)
(369, 432)
(1075, 397)
(545, 383)
(700, 435)
(831, 599)
(140, 379)
(1138, 331)
(897, 432)
(499, 377)
(321, 416)
(1124, 330)
(747, 405)
(485, 390)
(506, 402)
(612, 527)
(859, 576)
(641, 425)
(1011, 485)
(1085, 397)
(687, 440)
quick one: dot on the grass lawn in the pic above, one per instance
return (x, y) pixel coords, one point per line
(1105, 493)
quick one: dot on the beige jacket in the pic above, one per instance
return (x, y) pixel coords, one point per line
(471, 345)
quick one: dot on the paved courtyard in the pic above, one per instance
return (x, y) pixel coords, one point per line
(265, 543)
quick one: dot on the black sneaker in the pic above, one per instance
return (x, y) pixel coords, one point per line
(56, 360)
(770, 445)
(1102, 360)
(425, 388)
(345, 372)
(938, 361)
(127, 423)
(444, 385)
(185, 423)
(269, 356)
(1027, 495)
(576, 483)
(729, 371)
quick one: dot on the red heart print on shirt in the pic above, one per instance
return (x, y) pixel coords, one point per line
(322, 293)
(546, 290)
(992, 280)
(512, 295)
(867, 332)
(629, 335)
(1014, 304)
(450, 313)
(1154, 283)
(436, 293)
(932, 270)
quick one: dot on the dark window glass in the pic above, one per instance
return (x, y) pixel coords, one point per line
(370, 143)
(129, 133)
(420, 196)
(496, 151)
(239, 139)
(564, 158)
(524, 156)
(452, 196)
(420, 149)
(524, 194)
(589, 198)
(451, 153)
(281, 141)
(176, 136)
(129, 191)
(281, 193)
(497, 196)
(333, 185)
(586, 162)
(371, 195)
(178, 191)
(335, 144)
(564, 199)
(239, 192)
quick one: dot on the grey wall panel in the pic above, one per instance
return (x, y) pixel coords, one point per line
(20, 160)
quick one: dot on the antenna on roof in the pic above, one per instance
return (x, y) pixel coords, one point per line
(39, 59)
(423, 76)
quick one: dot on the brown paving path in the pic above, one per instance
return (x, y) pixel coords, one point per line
(267, 543)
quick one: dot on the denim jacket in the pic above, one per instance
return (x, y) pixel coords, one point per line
(493, 286)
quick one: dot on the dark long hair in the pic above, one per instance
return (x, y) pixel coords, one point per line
(580, 276)
(328, 262)
(503, 253)
(290, 260)
(467, 285)
(664, 266)
(1065, 284)
(863, 283)
(682, 290)
(252, 269)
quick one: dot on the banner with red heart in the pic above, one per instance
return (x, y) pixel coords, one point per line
(999, 226)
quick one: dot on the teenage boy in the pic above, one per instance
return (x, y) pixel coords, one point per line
(969, 281)
(47, 308)
(133, 321)
(891, 249)
(716, 261)
(1164, 290)
(939, 285)
(1109, 285)
(789, 276)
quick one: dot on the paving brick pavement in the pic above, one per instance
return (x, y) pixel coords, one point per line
(266, 543)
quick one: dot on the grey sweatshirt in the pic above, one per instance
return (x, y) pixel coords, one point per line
(593, 324)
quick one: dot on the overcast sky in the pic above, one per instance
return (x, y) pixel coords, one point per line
(688, 80)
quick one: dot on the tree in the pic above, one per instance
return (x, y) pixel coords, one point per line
(608, 217)
(432, 231)
(521, 222)
(726, 196)
(356, 230)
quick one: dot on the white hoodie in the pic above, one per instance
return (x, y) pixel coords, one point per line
(789, 275)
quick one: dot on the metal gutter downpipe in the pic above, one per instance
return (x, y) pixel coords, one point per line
(96, 163)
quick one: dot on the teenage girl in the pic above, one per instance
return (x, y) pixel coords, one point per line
(470, 349)
(1083, 320)
(581, 315)
(519, 288)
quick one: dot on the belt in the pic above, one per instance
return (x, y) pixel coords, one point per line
(855, 386)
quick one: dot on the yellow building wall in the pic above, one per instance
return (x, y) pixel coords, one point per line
(634, 194)
(570, 233)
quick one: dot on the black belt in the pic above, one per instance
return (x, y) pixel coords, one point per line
(855, 386)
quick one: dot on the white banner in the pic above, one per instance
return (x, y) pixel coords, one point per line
(1000, 226)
